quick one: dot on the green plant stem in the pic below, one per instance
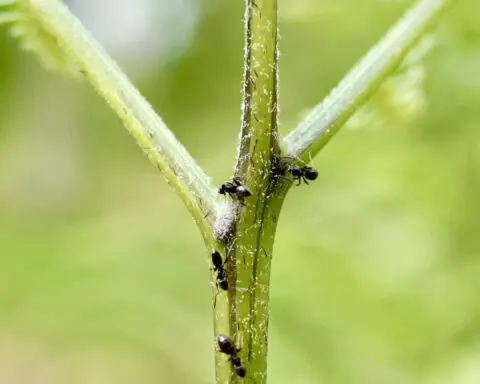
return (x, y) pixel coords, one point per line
(150, 132)
(243, 234)
(325, 120)
(249, 237)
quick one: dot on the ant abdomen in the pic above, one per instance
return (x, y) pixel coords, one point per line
(235, 188)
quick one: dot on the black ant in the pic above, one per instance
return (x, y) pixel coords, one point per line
(302, 173)
(236, 188)
(227, 347)
(218, 266)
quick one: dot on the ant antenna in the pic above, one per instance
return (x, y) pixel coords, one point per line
(296, 158)
(310, 157)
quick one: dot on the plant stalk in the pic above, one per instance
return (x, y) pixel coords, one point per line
(147, 128)
(251, 228)
(326, 119)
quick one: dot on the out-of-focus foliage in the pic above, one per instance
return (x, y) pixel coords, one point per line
(31, 35)
(104, 278)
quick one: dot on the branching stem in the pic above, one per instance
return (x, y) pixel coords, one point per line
(242, 233)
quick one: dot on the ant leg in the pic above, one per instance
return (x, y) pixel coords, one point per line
(305, 180)
(299, 180)
(227, 258)
(295, 159)
(277, 177)
(215, 298)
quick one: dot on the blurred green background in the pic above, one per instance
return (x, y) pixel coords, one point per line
(103, 275)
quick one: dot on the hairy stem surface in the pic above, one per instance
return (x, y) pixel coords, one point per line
(362, 81)
(249, 239)
(150, 132)
(243, 234)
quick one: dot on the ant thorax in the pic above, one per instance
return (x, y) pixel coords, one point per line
(235, 188)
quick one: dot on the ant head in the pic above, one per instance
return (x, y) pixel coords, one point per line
(223, 284)
(310, 173)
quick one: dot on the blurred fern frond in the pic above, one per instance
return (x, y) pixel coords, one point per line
(21, 21)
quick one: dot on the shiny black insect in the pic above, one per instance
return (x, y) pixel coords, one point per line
(237, 365)
(235, 187)
(226, 346)
(303, 173)
(218, 266)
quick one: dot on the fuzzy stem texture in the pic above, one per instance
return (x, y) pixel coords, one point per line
(147, 128)
(326, 119)
(249, 239)
(251, 232)
(243, 234)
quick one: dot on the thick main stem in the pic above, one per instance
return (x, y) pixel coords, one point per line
(249, 239)
(257, 223)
